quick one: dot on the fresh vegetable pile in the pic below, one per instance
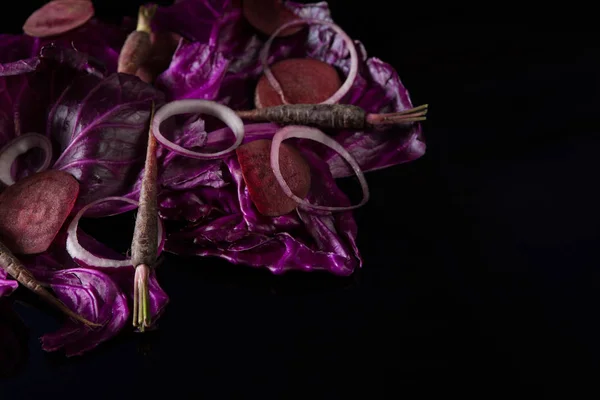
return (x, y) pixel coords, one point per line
(229, 120)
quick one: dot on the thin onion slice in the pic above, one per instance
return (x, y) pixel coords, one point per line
(21, 145)
(303, 132)
(224, 113)
(78, 252)
(337, 96)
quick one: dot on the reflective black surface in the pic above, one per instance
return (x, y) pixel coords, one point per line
(480, 258)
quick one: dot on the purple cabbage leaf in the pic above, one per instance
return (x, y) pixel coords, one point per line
(102, 295)
(101, 128)
(377, 88)
(98, 125)
(93, 295)
(195, 20)
(195, 72)
(99, 41)
(7, 285)
(225, 223)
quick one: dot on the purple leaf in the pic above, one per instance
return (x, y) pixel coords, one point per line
(93, 295)
(196, 72)
(225, 223)
(101, 129)
(101, 295)
(377, 88)
(7, 285)
(197, 20)
(96, 39)
(98, 126)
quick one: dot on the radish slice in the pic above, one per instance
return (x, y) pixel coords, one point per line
(303, 80)
(266, 15)
(76, 250)
(224, 113)
(21, 145)
(337, 96)
(57, 17)
(303, 132)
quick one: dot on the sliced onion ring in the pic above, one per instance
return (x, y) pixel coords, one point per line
(224, 113)
(21, 145)
(303, 132)
(337, 96)
(76, 250)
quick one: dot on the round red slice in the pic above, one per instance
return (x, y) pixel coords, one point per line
(303, 81)
(58, 16)
(33, 210)
(263, 188)
(268, 15)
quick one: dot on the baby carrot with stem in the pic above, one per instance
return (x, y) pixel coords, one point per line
(17, 270)
(332, 116)
(137, 46)
(144, 248)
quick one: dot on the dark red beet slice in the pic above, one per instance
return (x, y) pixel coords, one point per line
(268, 15)
(303, 81)
(58, 16)
(33, 210)
(265, 192)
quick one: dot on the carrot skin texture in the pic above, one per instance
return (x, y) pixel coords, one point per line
(144, 247)
(145, 237)
(334, 116)
(14, 268)
(134, 53)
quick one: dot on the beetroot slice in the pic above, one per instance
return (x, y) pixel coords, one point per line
(303, 81)
(264, 191)
(33, 210)
(58, 16)
(268, 15)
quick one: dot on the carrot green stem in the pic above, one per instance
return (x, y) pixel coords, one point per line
(145, 15)
(141, 307)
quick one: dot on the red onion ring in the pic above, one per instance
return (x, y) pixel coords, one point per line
(303, 132)
(224, 113)
(337, 96)
(21, 145)
(78, 252)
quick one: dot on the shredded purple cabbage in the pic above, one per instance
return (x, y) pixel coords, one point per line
(67, 88)
(377, 89)
(98, 126)
(225, 223)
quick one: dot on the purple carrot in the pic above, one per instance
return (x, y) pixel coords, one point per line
(144, 248)
(17, 270)
(332, 116)
(137, 46)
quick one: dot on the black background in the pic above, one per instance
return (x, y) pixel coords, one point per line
(480, 258)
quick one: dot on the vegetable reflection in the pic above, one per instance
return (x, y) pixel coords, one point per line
(13, 342)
